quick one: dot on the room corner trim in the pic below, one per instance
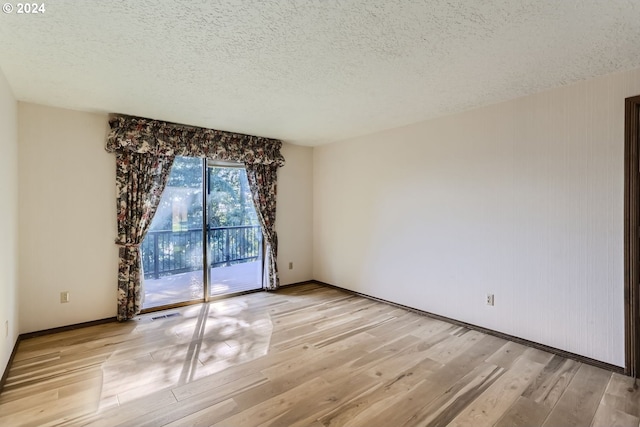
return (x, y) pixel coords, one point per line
(5, 374)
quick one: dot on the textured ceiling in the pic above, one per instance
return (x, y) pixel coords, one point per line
(309, 71)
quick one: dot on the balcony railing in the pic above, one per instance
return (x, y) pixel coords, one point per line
(168, 252)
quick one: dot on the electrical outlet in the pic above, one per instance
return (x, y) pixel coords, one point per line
(290, 266)
(64, 296)
(490, 299)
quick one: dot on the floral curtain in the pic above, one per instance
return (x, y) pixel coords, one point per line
(169, 139)
(140, 180)
(145, 150)
(262, 181)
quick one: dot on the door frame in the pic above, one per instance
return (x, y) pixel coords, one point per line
(632, 236)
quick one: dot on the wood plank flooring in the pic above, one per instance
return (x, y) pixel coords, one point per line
(304, 356)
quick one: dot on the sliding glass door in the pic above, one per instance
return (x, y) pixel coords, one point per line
(173, 254)
(235, 236)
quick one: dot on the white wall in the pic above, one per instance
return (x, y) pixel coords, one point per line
(9, 222)
(67, 218)
(523, 199)
(294, 217)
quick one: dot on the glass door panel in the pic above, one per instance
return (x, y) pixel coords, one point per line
(172, 252)
(235, 236)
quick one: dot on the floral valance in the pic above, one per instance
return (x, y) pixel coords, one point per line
(142, 135)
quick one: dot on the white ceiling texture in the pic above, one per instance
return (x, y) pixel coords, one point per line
(308, 71)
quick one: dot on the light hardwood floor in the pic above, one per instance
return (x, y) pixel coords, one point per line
(305, 356)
